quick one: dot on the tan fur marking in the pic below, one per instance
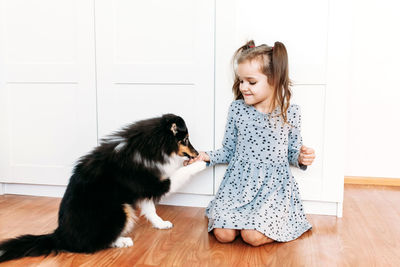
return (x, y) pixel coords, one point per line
(131, 219)
(184, 149)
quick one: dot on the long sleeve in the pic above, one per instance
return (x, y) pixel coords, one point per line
(224, 154)
(295, 139)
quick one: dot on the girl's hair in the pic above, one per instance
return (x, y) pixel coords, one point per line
(274, 64)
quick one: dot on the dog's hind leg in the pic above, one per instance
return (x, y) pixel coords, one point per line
(122, 242)
(149, 211)
(131, 219)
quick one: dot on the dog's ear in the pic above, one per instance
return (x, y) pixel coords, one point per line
(174, 128)
(174, 123)
(177, 127)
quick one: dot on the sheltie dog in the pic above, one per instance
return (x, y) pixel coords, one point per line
(130, 169)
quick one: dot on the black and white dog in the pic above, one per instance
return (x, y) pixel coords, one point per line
(132, 168)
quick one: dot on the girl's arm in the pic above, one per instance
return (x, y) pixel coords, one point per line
(295, 139)
(224, 154)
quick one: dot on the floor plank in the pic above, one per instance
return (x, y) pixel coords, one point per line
(367, 235)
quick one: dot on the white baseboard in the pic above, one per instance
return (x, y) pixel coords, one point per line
(310, 207)
(35, 190)
(187, 200)
(2, 189)
(322, 208)
(339, 212)
(178, 199)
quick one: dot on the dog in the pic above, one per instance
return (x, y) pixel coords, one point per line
(132, 168)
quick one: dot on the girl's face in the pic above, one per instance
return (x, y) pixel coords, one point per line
(254, 85)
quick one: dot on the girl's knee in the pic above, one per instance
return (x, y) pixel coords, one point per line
(255, 238)
(225, 235)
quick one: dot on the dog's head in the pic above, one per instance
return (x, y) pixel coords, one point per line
(176, 127)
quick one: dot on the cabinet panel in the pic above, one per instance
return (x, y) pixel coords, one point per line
(38, 32)
(154, 31)
(36, 122)
(311, 99)
(48, 94)
(165, 67)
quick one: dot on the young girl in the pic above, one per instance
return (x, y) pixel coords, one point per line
(258, 197)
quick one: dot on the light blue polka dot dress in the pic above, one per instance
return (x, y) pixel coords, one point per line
(258, 190)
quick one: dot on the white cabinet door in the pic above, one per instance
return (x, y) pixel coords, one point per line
(311, 36)
(47, 92)
(308, 73)
(157, 57)
(311, 99)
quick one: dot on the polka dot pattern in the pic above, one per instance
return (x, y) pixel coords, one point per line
(258, 190)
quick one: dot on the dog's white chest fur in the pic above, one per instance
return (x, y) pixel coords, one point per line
(173, 163)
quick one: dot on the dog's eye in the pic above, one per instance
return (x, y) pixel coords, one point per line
(185, 141)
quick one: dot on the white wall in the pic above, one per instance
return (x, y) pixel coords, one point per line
(373, 110)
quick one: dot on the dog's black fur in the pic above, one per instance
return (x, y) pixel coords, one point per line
(91, 214)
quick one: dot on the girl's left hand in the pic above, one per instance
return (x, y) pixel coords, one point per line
(307, 155)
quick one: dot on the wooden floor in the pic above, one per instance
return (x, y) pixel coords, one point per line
(367, 235)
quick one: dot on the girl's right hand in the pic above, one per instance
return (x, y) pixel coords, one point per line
(202, 156)
(307, 155)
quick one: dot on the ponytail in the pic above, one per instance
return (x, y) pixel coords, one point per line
(280, 77)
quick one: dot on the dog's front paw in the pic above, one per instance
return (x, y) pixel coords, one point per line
(197, 166)
(163, 225)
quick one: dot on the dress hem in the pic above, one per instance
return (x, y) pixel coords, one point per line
(271, 236)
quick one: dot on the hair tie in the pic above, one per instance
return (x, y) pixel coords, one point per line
(252, 46)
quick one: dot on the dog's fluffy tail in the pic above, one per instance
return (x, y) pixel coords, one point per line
(27, 245)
